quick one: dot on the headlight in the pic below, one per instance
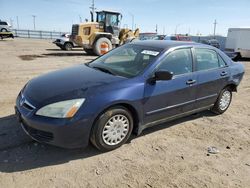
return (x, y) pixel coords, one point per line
(63, 109)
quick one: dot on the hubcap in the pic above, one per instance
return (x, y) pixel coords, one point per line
(104, 47)
(68, 46)
(115, 130)
(225, 100)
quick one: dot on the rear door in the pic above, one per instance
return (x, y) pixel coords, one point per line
(166, 99)
(212, 76)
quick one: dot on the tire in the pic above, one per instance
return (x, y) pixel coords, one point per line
(238, 57)
(106, 136)
(89, 51)
(97, 46)
(223, 101)
(4, 30)
(68, 46)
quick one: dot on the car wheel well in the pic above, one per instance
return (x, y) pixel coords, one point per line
(232, 87)
(128, 107)
(68, 42)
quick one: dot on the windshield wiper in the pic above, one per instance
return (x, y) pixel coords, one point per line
(103, 69)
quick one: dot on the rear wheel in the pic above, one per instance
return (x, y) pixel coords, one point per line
(223, 101)
(102, 46)
(112, 129)
(3, 30)
(68, 46)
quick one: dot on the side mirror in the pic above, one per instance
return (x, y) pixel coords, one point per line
(160, 75)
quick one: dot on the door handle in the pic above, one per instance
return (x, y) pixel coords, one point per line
(190, 82)
(223, 73)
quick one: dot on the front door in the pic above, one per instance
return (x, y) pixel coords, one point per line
(165, 99)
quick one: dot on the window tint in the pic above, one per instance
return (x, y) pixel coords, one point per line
(86, 31)
(177, 62)
(206, 59)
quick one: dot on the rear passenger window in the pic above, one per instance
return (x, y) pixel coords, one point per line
(206, 59)
(177, 62)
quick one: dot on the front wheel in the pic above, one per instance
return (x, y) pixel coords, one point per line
(112, 129)
(68, 46)
(223, 101)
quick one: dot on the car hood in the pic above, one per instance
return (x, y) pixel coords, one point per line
(70, 83)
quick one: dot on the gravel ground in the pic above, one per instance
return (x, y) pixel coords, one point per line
(168, 155)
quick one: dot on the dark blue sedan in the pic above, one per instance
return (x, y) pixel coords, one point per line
(132, 87)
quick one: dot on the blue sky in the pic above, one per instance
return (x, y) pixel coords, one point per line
(193, 16)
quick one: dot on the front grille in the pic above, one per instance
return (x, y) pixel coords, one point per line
(75, 28)
(41, 136)
(26, 104)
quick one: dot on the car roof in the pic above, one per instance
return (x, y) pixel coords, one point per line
(167, 44)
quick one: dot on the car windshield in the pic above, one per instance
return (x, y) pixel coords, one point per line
(127, 61)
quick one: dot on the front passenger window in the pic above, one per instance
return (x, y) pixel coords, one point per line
(177, 62)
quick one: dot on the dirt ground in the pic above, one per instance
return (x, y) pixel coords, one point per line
(169, 155)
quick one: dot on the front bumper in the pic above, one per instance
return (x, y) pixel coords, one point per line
(58, 44)
(66, 133)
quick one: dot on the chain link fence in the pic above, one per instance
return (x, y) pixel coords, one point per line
(36, 34)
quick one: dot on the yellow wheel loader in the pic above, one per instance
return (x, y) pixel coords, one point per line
(102, 35)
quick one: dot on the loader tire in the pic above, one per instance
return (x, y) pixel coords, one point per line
(102, 46)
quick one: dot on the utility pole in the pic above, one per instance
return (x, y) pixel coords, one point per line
(80, 18)
(156, 28)
(133, 20)
(176, 27)
(92, 10)
(34, 21)
(11, 22)
(17, 22)
(215, 23)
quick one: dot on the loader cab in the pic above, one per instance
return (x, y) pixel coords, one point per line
(110, 21)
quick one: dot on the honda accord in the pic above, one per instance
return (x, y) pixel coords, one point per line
(132, 87)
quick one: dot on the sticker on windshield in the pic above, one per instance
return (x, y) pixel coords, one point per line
(150, 52)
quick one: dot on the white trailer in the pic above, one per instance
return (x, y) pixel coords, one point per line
(238, 41)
